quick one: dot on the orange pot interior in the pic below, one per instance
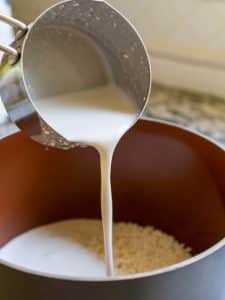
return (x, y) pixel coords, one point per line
(161, 175)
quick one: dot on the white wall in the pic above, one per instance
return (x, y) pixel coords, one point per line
(186, 38)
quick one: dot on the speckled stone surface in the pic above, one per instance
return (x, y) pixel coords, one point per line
(203, 113)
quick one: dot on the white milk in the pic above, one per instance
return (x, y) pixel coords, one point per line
(53, 249)
(98, 117)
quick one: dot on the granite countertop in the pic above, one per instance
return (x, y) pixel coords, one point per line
(203, 113)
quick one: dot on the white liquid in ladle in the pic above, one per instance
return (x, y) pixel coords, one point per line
(97, 117)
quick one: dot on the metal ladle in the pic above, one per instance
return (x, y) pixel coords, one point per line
(61, 52)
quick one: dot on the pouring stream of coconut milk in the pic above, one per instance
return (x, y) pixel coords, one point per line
(110, 114)
(86, 73)
(97, 116)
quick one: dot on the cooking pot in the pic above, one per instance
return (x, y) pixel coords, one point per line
(162, 175)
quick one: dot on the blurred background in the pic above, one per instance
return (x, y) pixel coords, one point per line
(186, 42)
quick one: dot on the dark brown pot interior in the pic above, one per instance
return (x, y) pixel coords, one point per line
(161, 175)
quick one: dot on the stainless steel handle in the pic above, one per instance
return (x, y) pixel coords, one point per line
(17, 24)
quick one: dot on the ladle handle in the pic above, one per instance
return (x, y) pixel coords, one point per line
(16, 24)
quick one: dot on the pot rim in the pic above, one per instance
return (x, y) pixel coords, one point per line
(161, 271)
